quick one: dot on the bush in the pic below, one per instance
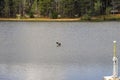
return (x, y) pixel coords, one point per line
(108, 9)
(31, 15)
(18, 16)
(86, 17)
(54, 15)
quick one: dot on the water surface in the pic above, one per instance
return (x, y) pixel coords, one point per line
(28, 50)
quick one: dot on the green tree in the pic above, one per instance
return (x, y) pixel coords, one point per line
(1, 8)
(50, 8)
(67, 8)
(34, 7)
(108, 9)
(6, 8)
(97, 7)
(14, 7)
(46, 7)
(28, 6)
(77, 8)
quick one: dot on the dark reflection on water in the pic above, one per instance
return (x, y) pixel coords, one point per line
(28, 50)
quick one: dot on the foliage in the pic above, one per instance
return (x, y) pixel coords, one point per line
(86, 17)
(31, 15)
(14, 7)
(51, 8)
(97, 7)
(34, 7)
(67, 8)
(54, 15)
(45, 7)
(108, 9)
(6, 8)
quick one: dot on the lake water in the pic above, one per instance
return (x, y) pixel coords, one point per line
(28, 50)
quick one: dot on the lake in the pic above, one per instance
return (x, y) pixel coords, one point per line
(28, 50)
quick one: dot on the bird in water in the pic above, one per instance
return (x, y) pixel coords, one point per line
(58, 44)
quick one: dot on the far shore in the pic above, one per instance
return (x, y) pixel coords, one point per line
(41, 19)
(111, 17)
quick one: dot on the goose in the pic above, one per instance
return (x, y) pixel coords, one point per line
(58, 44)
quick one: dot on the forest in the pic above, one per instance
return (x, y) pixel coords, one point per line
(57, 8)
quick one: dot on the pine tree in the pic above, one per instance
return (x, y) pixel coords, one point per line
(1, 8)
(67, 8)
(34, 8)
(6, 8)
(97, 7)
(45, 7)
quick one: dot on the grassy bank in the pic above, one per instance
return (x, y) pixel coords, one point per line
(111, 17)
(41, 19)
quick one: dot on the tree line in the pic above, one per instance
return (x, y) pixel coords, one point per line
(55, 8)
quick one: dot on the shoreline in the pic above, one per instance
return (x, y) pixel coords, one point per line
(92, 19)
(41, 20)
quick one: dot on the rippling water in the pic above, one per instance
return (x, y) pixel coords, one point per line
(28, 50)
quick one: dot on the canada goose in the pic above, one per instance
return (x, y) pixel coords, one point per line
(58, 44)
